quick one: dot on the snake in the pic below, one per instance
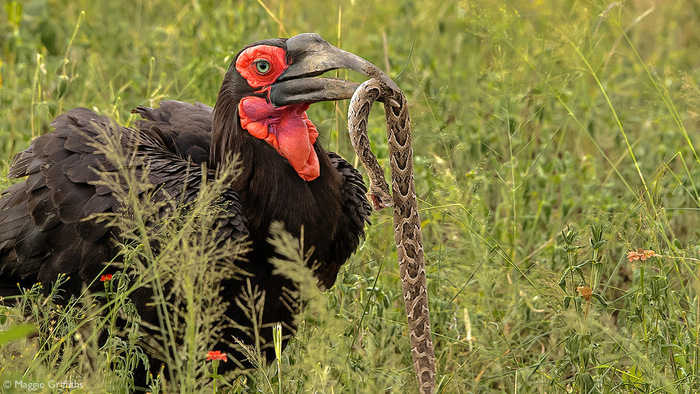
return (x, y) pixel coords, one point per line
(402, 198)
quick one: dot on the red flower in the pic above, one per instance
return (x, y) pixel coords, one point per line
(216, 355)
(106, 278)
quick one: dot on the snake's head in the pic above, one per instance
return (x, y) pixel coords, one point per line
(379, 198)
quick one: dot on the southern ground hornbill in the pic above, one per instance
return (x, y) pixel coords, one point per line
(285, 176)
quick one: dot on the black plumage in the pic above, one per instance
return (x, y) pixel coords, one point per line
(46, 220)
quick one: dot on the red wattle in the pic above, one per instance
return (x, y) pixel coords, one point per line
(287, 129)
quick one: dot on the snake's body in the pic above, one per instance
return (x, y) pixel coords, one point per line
(407, 231)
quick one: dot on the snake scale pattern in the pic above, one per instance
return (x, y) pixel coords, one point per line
(407, 231)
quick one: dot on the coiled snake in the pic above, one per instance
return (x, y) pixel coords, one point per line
(407, 231)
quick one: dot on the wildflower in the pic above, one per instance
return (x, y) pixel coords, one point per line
(585, 291)
(106, 278)
(216, 355)
(641, 254)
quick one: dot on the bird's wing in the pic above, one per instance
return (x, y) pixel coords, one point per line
(184, 127)
(177, 121)
(356, 212)
(45, 221)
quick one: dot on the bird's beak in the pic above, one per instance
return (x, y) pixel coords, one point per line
(310, 57)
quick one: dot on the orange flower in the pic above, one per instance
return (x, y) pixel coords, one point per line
(586, 292)
(216, 355)
(641, 254)
(106, 278)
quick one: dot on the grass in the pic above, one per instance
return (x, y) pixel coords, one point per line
(551, 140)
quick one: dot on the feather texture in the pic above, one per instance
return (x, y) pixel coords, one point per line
(44, 231)
(49, 225)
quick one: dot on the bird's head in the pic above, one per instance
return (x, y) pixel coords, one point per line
(270, 85)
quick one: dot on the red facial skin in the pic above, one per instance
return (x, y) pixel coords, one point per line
(247, 64)
(287, 129)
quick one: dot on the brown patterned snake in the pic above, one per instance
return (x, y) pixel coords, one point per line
(407, 231)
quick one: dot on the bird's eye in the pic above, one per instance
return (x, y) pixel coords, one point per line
(263, 66)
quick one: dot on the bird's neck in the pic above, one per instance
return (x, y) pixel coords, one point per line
(225, 129)
(270, 190)
(264, 179)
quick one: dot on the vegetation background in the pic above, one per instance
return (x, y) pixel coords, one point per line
(551, 139)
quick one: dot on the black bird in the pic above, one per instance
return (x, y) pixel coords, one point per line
(286, 176)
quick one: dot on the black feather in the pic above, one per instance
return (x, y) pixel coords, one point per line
(47, 224)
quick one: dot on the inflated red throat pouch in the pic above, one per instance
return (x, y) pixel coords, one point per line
(287, 129)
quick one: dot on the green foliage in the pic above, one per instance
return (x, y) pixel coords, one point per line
(551, 139)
